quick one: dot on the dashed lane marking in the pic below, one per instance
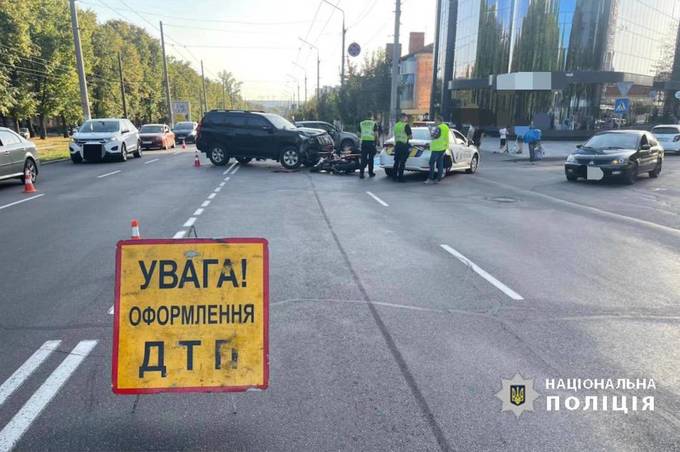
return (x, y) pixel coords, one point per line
(111, 310)
(151, 161)
(212, 195)
(21, 201)
(198, 212)
(230, 167)
(14, 430)
(380, 201)
(499, 285)
(217, 190)
(234, 171)
(108, 174)
(179, 234)
(190, 222)
(27, 368)
(205, 204)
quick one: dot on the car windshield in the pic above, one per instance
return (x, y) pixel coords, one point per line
(184, 126)
(665, 130)
(612, 141)
(279, 122)
(99, 126)
(421, 133)
(151, 129)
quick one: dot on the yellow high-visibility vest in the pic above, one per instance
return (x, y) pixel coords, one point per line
(442, 142)
(400, 132)
(367, 127)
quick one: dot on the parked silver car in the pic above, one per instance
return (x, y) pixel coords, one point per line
(106, 138)
(344, 141)
(17, 155)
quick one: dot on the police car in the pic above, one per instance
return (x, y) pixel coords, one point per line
(460, 156)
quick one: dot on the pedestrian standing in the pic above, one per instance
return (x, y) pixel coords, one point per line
(438, 147)
(402, 135)
(532, 137)
(369, 136)
(477, 137)
(504, 139)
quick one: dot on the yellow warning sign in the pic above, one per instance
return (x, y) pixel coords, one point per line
(191, 315)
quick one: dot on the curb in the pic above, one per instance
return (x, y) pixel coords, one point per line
(49, 162)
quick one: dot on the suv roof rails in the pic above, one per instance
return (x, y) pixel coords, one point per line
(237, 111)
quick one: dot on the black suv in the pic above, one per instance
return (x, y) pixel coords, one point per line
(245, 135)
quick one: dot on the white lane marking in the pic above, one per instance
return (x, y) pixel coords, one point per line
(179, 234)
(222, 184)
(15, 428)
(151, 161)
(212, 195)
(190, 222)
(205, 204)
(499, 285)
(230, 167)
(601, 212)
(198, 212)
(27, 368)
(108, 174)
(235, 169)
(111, 310)
(380, 201)
(217, 190)
(226, 178)
(20, 201)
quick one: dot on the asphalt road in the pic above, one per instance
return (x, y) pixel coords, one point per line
(381, 338)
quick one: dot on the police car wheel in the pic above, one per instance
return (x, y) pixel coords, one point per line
(347, 145)
(474, 164)
(290, 158)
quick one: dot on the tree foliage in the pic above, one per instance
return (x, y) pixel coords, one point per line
(39, 81)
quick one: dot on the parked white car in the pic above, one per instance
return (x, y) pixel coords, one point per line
(461, 155)
(106, 138)
(668, 136)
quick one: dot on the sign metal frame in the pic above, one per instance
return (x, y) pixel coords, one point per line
(265, 317)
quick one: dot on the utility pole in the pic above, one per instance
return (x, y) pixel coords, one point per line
(84, 101)
(395, 66)
(224, 95)
(171, 115)
(122, 85)
(305, 72)
(435, 60)
(342, 51)
(205, 98)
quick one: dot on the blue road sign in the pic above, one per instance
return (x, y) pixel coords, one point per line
(621, 105)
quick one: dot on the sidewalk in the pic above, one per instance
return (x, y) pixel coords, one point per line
(552, 150)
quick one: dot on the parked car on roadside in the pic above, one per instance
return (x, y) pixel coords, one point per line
(24, 132)
(185, 131)
(17, 155)
(245, 135)
(616, 153)
(343, 141)
(668, 136)
(156, 136)
(106, 138)
(461, 155)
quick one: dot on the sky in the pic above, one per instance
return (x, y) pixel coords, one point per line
(258, 40)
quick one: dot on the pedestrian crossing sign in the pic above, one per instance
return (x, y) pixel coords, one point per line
(621, 105)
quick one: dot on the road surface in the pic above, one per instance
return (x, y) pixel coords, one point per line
(396, 309)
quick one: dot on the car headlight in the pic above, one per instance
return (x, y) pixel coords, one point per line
(619, 161)
(571, 158)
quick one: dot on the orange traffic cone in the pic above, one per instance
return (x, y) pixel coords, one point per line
(28, 182)
(197, 161)
(184, 144)
(135, 229)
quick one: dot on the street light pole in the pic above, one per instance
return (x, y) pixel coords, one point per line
(395, 66)
(318, 78)
(342, 51)
(305, 72)
(171, 114)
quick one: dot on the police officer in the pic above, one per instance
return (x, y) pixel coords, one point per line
(438, 147)
(369, 136)
(402, 134)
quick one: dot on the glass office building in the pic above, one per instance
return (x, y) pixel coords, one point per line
(561, 63)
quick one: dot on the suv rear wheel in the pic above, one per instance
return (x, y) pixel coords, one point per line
(217, 155)
(291, 158)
